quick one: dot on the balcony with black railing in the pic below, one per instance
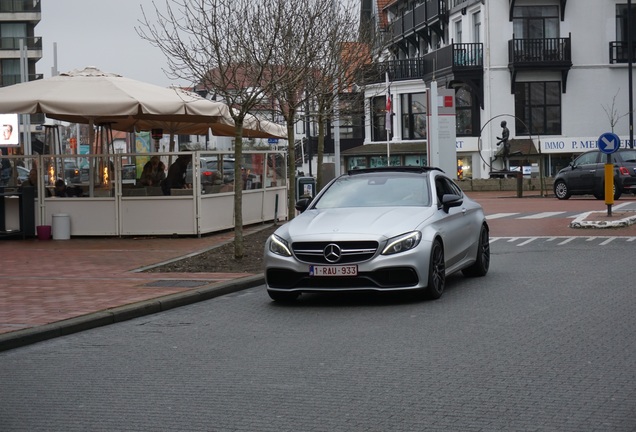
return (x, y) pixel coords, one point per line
(455, 59)
(619, 52)
(540, 54)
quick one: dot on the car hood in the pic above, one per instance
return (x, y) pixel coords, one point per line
(355, 223)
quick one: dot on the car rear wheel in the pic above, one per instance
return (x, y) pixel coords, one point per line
(482, 264)
(561, 190)
(601, 195)
(436, 272)
(282, 296)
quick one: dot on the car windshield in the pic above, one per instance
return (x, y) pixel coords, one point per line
(377, 190)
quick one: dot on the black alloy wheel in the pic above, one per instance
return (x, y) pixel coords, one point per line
(482, 264)
(436, 272)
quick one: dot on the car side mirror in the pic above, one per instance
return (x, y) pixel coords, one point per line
(451, 200)
(302, 204)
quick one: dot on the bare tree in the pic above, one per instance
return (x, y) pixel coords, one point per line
(612, 112)
(346, 58)
(231, 49)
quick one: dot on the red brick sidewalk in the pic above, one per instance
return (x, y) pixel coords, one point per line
(48, 281)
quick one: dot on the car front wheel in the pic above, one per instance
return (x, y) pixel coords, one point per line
(436, 272)
(561, 190)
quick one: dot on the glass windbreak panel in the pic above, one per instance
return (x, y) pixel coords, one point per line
(276, 171)
(377, 190)
(252, 171)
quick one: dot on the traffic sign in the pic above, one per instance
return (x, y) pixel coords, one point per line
(609, 143)
(272, 140)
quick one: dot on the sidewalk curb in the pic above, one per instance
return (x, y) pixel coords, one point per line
(32, 335)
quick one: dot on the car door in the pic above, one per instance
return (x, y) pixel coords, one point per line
(586, 171)
(454, 226)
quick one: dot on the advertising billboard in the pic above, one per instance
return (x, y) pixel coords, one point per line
(9, 132)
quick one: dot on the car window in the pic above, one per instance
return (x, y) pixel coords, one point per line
(586, 158)
(376, 191)
(444, 186)
(628, 155)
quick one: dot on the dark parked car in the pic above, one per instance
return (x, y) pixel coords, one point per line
(586, 175)
(379, 229)
(210, 171)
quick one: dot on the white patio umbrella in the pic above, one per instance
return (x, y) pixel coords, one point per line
(95, 97)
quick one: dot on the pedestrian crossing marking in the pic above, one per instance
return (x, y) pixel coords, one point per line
(500, 215)
(567, 241)
(563, 240)
(527, 241)
(542, 215)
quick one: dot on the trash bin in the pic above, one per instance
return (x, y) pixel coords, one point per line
(61, 227)
(44, 232)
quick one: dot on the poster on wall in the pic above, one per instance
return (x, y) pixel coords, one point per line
(142, 146)
(9, 135)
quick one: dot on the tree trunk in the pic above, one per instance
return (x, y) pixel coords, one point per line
(238, 189)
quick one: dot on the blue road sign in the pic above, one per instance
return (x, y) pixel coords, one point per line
(609, 143)
(272, 141)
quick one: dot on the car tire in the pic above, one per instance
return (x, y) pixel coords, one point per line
(601, 195)
(561, 190)
(282, 296)
(482, 263)
(436, 272)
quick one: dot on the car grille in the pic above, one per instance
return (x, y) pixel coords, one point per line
(351, 251)
(387, 278)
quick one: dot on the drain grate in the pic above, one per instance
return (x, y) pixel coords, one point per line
(170, 283)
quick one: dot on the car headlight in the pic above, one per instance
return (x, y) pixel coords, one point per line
(402, 243)
(279, 246)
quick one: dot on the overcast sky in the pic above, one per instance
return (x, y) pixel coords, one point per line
(100, 34)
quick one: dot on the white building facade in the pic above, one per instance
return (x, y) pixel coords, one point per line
(555, 71)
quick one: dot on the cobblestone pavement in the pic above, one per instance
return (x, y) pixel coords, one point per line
(50, 288)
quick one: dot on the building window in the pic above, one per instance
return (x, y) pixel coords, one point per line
(536, 22)
(413, 116)
(622, 15)
(378, 118)
(477, 27)
(465, 109)
(458, 32)
(538, 108)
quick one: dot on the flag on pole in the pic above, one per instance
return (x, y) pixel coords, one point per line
(389, 106)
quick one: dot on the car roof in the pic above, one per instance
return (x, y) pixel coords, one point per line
(395, 169)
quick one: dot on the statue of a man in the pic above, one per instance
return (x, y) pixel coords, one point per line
(505, 134)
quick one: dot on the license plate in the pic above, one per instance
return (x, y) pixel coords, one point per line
(348, 270)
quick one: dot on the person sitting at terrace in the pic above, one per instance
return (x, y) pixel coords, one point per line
(176, 178)
(62, 191)
(153, 172)
(32, 181)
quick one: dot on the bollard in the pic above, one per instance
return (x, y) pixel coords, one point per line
(520, 184)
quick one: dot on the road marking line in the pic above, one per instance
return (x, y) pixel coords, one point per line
(542, 215)
(527, 241)
(631, 239)
(566, 241)
(607, 241)
(500, 215)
